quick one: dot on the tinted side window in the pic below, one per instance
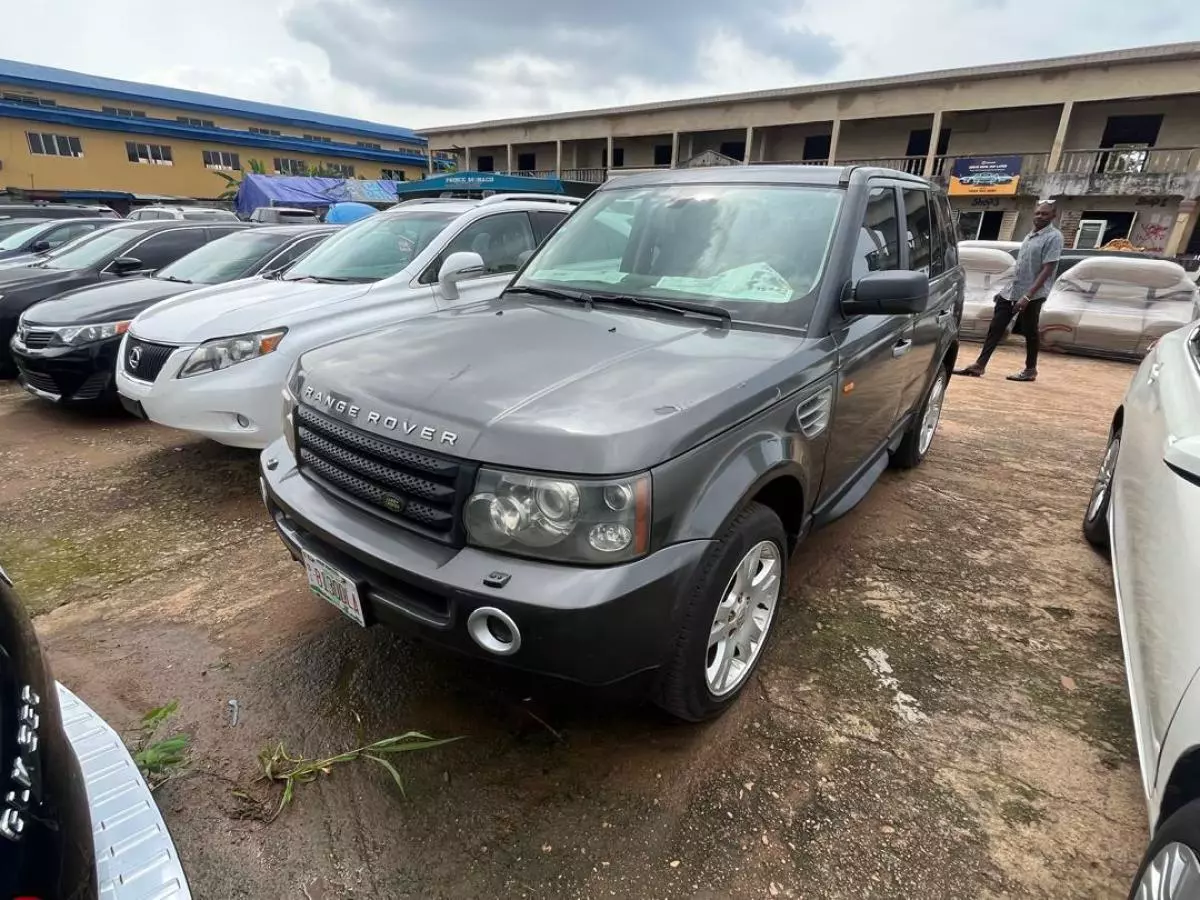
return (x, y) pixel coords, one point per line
(920, 229)
(292, 253)
(938, 264)
(220, 231)
(161, 249)
(545, 222)
(64, 233)
(879, 238)
(947, 220)
(502, 240)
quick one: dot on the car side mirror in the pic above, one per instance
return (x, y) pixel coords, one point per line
(458, 267)
(39, 246)
(123, 265)
(1183, 458)
(890, 293)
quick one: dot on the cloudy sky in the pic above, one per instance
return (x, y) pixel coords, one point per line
(440, 62)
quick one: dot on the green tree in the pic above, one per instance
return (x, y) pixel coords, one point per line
(234, 182)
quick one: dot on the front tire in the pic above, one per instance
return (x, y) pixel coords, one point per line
(1170, 870)
(1095, 518)
(919, 437)
(732, 605)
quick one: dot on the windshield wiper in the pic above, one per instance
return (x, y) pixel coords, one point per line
(331, 279)
(551, 293)
(680, 307)
(173, 278)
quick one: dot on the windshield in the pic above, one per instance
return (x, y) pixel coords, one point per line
(91, 249)
(225, 259)
(757, 251)
(14, 238)
(375, 248)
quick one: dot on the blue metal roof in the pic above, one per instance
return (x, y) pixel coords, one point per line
(49, 79)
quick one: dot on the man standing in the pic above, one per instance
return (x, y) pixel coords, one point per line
(1032, 277)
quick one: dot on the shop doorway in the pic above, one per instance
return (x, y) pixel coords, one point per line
(980, 225)
(1098, 227)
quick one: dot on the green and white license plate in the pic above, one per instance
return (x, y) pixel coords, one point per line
(333, 587)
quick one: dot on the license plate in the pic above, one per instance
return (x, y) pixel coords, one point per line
(333, 587)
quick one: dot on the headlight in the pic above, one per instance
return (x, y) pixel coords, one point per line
(76, 335)
(560, 519)
(225, 352)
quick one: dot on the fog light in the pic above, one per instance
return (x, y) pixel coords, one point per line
(243, 421)
(609, 538)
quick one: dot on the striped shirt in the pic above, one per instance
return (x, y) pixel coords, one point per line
(1038, 248)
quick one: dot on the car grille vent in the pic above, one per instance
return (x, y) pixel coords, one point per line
(813, 413)
(37, 340)
(144, 360)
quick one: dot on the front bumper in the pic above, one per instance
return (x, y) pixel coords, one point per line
(239, 406)
(68, 374)
(595, 626)
(135, 857)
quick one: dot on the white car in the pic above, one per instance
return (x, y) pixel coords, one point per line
(214, 361)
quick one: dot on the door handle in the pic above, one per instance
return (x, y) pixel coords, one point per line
(901, 348)
(1155, 371)
(943, 313)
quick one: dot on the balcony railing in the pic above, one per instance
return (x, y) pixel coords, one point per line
(915, 165)
(1130, 161)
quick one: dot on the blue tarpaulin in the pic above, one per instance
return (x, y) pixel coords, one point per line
(308, 191)
(345, 213)
(480, 181)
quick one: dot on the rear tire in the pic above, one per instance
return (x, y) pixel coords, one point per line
(1095, 517)
(919, 437)
(732, 591)
(1170, 869)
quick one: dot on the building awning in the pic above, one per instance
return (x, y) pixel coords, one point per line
(480, 181)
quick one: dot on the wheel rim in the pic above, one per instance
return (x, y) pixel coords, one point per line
(1173, 874)
(739, 628)
(933, 412)
(1104, 479)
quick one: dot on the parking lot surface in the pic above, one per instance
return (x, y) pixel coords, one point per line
(943, 712)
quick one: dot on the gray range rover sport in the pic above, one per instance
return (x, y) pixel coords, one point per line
(601, 472)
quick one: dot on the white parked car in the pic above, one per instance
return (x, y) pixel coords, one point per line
(214, 361)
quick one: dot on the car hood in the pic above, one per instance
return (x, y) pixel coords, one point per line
(19, 258)
(113, 301)
(16, 277)
(557, 387)
(239, 307)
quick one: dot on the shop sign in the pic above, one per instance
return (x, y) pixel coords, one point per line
(995, 175)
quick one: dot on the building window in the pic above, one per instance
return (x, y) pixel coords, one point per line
(220, 160)
(485, 164)
(27, 99)
(526, 162)
(662, 154)
(290, 166)
(123, 112)
(45, 144)
(734, 149)
(198, 123)
(370, 145)
(270, 131)
(339, 169)
(392, 174)
(150, 154)
(322, 140)
(817, 147)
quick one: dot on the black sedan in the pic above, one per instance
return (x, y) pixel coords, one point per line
(66, 347)
(127, 248)
(40, 235)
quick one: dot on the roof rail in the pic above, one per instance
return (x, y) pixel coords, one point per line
(426, 200)
(544, 198)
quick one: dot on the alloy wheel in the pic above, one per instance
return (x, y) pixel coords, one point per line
(743, 618)
(1173, 874)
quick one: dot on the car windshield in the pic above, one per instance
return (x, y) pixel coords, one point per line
(756, 251)
(91, 249)
(375, 248)
(15, 238)
(225, 259)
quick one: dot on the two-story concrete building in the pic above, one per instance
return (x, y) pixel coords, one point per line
(66, 135)
(1113, 138)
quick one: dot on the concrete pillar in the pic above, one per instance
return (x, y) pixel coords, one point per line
(1060, 136)
(934, 134)
(608, 156)
(834, 134)
(466, 159)
(509, 149)
(691, 147)
(762, 146)
(575, 155)
(1185, 221)
(558, 158)
(674, 149)
(749, 145)
(429, 157)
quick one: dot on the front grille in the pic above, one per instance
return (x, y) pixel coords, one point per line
(418, 490)
(37, 340)
(144, 360)
(40, 381)
(93, 386)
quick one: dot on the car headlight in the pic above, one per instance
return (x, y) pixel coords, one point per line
(76, 335)
(222, 353)
(560, 519)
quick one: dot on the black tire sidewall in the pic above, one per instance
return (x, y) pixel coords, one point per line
(1183, 827)
(683, 690)
(1095, 529)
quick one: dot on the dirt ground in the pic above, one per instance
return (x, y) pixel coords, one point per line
(942, 713)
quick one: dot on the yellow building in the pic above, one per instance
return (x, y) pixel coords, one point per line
(69, 136)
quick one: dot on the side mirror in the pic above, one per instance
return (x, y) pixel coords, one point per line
(458, 267)
(1183, 457)
(891, 293)
(123, 265)
(39, 246)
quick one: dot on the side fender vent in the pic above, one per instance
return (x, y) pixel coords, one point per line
(813, 412)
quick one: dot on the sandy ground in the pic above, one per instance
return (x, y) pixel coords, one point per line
(942, 713)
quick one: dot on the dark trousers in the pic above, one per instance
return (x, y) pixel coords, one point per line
(1028, 319)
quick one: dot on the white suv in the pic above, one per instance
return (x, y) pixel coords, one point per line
(214, 361)
(190, 213)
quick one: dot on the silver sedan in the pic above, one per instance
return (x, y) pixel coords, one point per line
(1145, 509)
